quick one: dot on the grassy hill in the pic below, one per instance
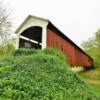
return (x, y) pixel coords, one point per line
(92, 79)
(40, 75)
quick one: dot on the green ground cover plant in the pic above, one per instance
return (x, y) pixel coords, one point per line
(40, 75)
(6, 49)
(92, 79)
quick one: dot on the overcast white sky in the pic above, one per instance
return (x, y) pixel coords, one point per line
(78, 19)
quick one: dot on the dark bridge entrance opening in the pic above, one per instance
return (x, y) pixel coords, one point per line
(31, 38)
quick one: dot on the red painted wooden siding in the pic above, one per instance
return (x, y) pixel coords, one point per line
(82, 59)
(73, 54)
(53, 40)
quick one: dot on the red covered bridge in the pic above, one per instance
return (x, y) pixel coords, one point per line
(40, 33)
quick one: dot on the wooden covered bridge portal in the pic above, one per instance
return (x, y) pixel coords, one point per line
(31, 38)
(40, 33)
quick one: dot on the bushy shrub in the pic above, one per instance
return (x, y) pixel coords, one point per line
(40, 76)
(55, 52)
(23, 51)
(6, 49)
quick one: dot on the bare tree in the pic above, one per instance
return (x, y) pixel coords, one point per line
(5, 22)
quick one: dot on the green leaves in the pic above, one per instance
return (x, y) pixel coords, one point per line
(6, 49)
(40, 76)
(92, 47)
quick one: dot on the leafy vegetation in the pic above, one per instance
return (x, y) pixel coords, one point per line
(40, 75)
(95, 88)
(6, 49)
(23, 51)
(92, 47)
(92, 79)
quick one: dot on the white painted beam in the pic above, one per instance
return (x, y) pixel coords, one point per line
(30, 40)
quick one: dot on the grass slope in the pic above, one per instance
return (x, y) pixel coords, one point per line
(40, 75)
(92, 79)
